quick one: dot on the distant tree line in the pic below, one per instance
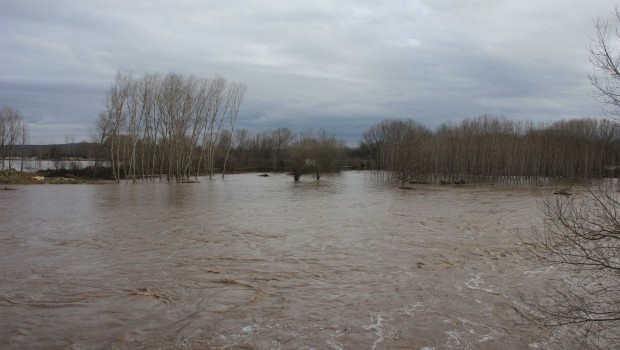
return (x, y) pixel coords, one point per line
(284, 150)
(491, 149)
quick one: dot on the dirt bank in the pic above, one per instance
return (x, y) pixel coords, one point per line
(13, 177)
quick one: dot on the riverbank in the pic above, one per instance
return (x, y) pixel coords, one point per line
(14, 177)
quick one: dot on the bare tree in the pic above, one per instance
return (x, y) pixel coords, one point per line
(4, 121)
(328, 153)
(166, 125)
(299, 155)
(236, 94)
(604, 57)
(101, 135)
(11, 130)
(217, 108)
(489, 149)
(398, 148)
(280, 140)
(116, 100)
(581, 235)
(242, 140)
(25, 138)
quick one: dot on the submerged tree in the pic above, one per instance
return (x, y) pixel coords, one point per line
(397, 146)
(13, 133)
(315, 153)
(280, 139)
(236, 95)
(166, 125)
(489, 149)
(328, 153)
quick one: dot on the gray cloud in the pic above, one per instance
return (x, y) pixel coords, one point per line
(343, 65)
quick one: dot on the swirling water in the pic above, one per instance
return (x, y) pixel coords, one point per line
(347, 262)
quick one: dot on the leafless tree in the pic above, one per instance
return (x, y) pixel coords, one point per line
(280, 140)
(581, 233)
(242, 141)
(397, 147)
(327, 153)
(236, 93)
(3, 136)
(581, 236)
(12, 129)
(116, 99)
(300, 153)
(100, 136)
(606, 61)
(216, 110)
(490, 149)
(166, 125)
(24, 139)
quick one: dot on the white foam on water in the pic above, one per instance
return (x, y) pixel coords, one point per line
(454, 338)
(250, 329)
(494, 334)
(409, 310)
(334, 345)
(474, 283)
(378, 327)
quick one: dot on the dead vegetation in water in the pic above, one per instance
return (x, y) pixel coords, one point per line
(565, 191)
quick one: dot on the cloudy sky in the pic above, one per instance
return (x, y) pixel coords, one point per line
(341, 65)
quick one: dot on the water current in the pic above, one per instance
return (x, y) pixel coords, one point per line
(250, 262)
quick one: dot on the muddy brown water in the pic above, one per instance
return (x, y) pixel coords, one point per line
(252, 262)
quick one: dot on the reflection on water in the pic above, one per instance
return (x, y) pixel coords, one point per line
(251, 262)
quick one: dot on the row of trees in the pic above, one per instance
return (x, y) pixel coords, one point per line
(170, 124)
(485, 149)
(179, 126)
(492, 149)
(274, 150)
(284, 150)
(13, 134)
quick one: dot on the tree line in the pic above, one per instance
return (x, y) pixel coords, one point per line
(166, 124)
(281, 149)
(178, 127)
(274, 150)
(491, 149)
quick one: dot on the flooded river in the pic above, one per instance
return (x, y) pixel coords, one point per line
(255, 262)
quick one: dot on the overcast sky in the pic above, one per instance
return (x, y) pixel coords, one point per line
(339, 65)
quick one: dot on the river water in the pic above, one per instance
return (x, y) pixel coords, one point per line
(251, 262)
